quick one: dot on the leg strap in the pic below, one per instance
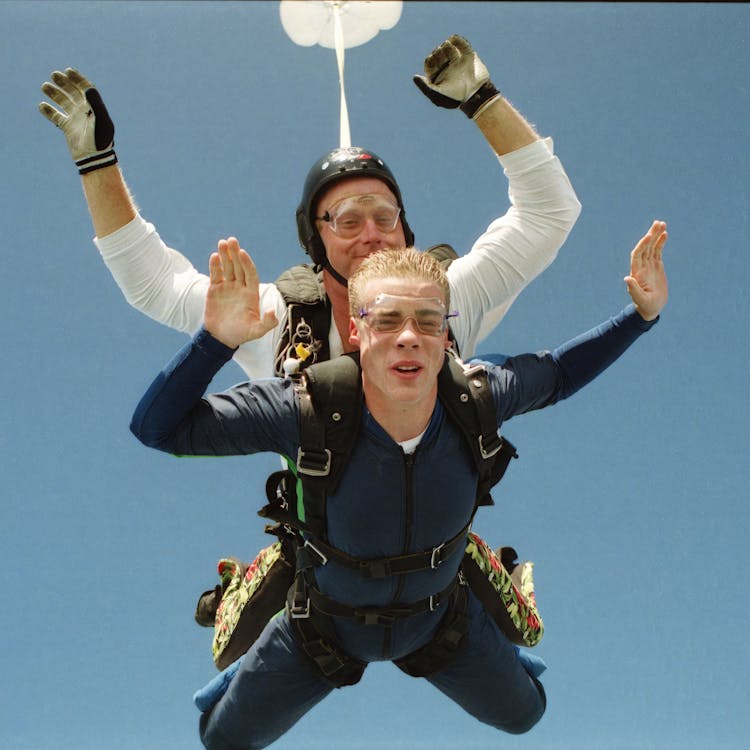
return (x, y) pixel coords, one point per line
(316, 639)
(447, 644)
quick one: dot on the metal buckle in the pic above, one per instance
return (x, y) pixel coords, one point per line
(298, 613)
(493, 450)
(321, 556)
(434, 602)
(471, 370)
(314, 471)
(434, 562)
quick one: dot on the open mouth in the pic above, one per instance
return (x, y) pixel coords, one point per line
(407, 368)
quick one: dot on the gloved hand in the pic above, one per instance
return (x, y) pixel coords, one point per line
(456, 77)
(84, 119)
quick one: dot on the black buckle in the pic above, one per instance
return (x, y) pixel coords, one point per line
(374, 568)
(375, 618)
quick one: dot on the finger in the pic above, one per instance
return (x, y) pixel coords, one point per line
(234, 256)
(62, 80)
(652, 235)
(57, 95)
(639, 252)
(436, 64)
(234, 266)
(461, 44)
(249, 271)
(53, 115)
(657, 237)
(214, 268)
(226, 261)
(270, 321)
(78, 79)
(660, 241)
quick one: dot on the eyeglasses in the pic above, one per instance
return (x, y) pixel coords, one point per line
(388, 313)
(348, 217)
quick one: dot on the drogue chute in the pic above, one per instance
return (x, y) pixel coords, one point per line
(338, 24)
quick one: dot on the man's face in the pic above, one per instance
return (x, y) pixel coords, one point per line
(400, 366)
(345, 254)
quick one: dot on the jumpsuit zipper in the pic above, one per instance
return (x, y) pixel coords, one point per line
(409, 510)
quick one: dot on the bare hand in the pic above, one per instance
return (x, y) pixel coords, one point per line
(647, 282)
(232, 313)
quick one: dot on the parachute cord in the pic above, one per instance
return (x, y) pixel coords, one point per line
(344, 134)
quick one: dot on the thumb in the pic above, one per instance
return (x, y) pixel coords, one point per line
(441, 100)
(269, 322)
(635, 291)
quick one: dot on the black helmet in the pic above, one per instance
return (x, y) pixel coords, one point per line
(340, 164)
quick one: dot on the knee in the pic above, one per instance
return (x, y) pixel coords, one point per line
(522, 724)
(212, 738)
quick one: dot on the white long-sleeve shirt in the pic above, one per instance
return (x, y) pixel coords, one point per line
(515, 248)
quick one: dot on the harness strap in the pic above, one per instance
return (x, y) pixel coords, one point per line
(332, 663)
(467, 397)
(315, 552)
(319, 603)
(448, 642)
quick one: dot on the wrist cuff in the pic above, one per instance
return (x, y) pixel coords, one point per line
(97, 161)
(479, 99)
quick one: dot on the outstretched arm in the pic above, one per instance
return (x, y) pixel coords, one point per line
(173, 417)
(588, 355)
(533, 381)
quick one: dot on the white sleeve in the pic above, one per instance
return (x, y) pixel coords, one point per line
(517, 246)
(163, 284)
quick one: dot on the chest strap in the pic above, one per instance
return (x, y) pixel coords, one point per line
(315, 552)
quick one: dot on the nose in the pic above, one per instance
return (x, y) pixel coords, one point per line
(370, 231)
(409, 335)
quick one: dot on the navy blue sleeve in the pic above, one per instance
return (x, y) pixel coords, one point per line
(174, 416)
(532, 381)
(177, 389)
(586, 356)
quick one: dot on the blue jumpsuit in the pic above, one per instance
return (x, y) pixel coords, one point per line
(404, 503)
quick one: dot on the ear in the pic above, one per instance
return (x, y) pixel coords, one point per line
(353, 333)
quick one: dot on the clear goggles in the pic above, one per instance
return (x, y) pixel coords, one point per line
(388, 313)
(348, 217)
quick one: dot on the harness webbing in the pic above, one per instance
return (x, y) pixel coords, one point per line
(318, 553)
(330, 399)
(308, 317)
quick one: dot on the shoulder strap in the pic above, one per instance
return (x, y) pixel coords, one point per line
(308, 318)
(466, 396)
(330, 397)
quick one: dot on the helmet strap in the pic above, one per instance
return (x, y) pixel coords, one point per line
(336, 275)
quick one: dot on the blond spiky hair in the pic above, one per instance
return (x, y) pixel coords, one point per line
(405, 262)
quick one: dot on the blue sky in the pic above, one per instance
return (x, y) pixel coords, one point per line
(630, 497)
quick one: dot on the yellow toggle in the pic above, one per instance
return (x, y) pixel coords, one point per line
(302, 351)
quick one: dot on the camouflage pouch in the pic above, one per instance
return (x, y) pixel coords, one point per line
(249, 596)
(505, 588)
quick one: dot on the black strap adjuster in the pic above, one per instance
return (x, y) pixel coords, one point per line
(314, 463)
